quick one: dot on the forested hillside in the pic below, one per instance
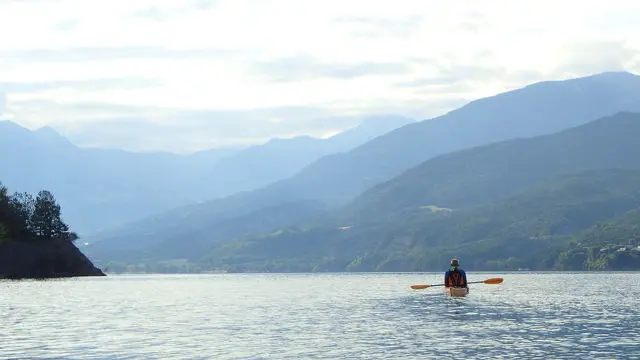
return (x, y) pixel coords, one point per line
(534, 229)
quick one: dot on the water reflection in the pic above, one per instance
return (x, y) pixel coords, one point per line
(325, 316)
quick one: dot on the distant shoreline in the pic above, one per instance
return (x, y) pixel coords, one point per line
(388, 272)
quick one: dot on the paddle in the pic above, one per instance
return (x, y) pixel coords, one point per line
(488, 281)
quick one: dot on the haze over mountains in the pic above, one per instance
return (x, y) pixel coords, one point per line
(278, 159)
(515, 199)
(482, 174)
(534, 229)
(461, 178)
(101, 188)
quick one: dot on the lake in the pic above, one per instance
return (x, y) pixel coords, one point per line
(321, 316)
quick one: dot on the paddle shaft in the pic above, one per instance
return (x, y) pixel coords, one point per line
(477, 282)
(472, 282)
(488, 281)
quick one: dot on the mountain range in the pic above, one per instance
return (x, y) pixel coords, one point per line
(569, 182)
(488, 150)
(102, 188)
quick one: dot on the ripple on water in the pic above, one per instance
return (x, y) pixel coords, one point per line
(320, 316)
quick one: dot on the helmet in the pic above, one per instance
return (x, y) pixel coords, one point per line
(455, 262)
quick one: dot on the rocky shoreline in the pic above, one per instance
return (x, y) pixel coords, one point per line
(44, 259)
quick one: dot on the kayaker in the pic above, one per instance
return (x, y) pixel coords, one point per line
(455, 276)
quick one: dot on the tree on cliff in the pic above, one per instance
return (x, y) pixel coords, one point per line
(35, 243)
(12, 223)
(24, 205)
(23, 217)
(45, 221)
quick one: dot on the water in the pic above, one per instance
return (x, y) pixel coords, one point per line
(326, 316)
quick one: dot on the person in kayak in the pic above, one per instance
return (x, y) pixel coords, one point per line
(455, 277)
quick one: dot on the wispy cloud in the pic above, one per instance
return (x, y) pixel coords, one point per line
(122, 83)
(85, 54)
(151, 128)
(592, 56)
(81, 65)
(361, 26)
(305, 68)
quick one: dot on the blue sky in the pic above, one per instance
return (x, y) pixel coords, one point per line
(185, 75)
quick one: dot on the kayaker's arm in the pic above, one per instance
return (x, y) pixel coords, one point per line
(464, 277)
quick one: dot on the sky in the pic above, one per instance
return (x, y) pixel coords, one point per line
(188, 75)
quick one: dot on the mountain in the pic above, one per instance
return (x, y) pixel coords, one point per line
(477, 175)
(282, 158)
(529, 230)
(608, 245)
(97, 187)
(485, 203)
(102, 188)
(539, 109)
(188, 244)
(520, 204)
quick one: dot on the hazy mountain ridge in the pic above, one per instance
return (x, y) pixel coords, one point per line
(474, 176)
(535, 110)
(189, 242)
(279, 159)
(103, 188)
(530, 230)
(577, 178)
(97, 187)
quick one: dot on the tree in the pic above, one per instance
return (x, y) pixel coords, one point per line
(12, 222)
(45, 220)
(24, 205)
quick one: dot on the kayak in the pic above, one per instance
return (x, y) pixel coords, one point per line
(456, 291)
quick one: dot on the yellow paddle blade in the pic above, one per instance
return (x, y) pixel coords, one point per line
(418, 287)
(493, 281)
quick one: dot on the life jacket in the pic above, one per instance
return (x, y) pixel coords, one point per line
(455, 279)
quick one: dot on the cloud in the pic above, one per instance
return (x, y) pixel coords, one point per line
(224, 71)
(597, 56)
(155, 13)
(67, 25)
(103, 54)
(122, 83)
(165, 13)
(306, 68)
(463, 78)
(197, 130)
(375, 27)
(151, 128)
(205, 4)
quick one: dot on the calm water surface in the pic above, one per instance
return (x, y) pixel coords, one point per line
(333, 316)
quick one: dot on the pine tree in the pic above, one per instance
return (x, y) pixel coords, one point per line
(12, 223)
(24, 205)
(45, 220)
